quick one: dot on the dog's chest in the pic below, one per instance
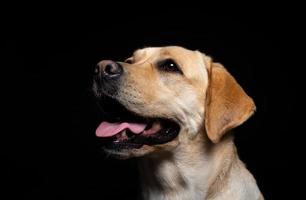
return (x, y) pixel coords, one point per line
(170, 180)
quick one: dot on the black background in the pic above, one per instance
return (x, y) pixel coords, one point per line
(49, 149)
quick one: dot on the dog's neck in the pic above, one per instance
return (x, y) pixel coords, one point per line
(189, 171)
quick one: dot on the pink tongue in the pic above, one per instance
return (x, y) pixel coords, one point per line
(107, 129)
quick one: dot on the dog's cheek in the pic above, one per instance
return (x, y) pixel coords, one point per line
(190, 110)
(145, 100)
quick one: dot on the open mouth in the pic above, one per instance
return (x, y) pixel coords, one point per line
(123, 129)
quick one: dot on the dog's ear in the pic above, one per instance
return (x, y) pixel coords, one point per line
(227, 105)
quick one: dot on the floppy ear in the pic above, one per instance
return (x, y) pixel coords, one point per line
(227, 105)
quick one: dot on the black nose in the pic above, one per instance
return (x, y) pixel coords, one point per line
(109, 69)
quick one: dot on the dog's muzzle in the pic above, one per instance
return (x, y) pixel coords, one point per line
(122, 128)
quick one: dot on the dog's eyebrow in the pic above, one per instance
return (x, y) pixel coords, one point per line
(165, 52)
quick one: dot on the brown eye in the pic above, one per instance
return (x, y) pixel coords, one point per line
(169, 65)
(129, 61)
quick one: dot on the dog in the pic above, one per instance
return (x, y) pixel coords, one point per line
(174, 109)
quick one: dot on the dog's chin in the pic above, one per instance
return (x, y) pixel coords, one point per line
(123, 153)
(126, 153)
(158, 134)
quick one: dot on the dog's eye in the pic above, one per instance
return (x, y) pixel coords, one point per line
(169, 65)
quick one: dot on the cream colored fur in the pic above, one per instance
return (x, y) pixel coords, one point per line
(206, 101)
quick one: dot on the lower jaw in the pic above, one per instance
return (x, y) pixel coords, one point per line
(123, 145)
(118, 153)
(144, 150)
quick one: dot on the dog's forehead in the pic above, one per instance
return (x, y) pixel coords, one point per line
(192, 61)
(174, 51)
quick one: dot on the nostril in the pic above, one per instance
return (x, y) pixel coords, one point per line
(110, 69)
(97, 70)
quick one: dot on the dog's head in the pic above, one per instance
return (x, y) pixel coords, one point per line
(161, 98)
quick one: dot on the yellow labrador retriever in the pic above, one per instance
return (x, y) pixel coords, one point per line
(173, 108)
